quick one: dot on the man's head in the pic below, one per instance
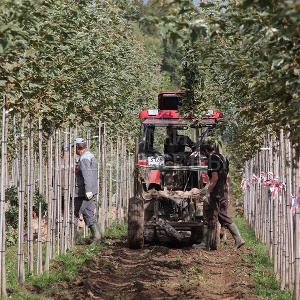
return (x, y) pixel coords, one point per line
(80, 146)
(207, 148)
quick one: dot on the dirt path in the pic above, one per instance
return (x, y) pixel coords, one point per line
(160, 272)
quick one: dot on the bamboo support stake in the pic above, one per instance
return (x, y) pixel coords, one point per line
(65, 191)
(250, 193)
(288, 212)
(283, 214)
(275, 215)
(3, 283)
(105, 176)
(99, 171)
(259, 208)
(271, 208)
(21, 267)
(39, 245)
(69, 199)
(104, 194)
(265, 193)
(73, 190)
(279, 215)
(3, 270)
(61, 193)
(88, 144)
(118, 207)
(127, 184)
(2, 206)
(28, 190)
(245, 196)
(50, 203)
(57, 195)
(256, 199)
(122, 180)
(30, 204)
(110, 184)
(291, 221)
(124, 183)
(270, 235)
(54, 226)
(60, 239)
(297, 228)
(29, 199)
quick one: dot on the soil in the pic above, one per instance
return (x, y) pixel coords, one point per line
(161, 272)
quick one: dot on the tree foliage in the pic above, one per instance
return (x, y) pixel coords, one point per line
(244, 60)
(75, 61)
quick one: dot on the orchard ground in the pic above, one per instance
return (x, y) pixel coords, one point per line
(112, 271)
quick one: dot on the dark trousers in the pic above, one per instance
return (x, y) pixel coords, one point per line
(86, 208)
(216, 210)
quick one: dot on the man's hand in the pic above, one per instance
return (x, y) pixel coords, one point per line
(207, 197)
(89, 195)
(195, 154)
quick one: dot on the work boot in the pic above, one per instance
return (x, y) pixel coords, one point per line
(203, 244)
(96, 235)
(211, 235)
(76, 232)
(223, 234)
(239, 242)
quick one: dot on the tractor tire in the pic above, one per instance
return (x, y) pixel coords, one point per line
(135, 223)
(215, 245)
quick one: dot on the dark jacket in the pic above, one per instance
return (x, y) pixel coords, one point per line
(218, 163)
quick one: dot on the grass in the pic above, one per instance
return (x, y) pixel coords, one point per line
(63, 269)
(116, 231)
(267, 285)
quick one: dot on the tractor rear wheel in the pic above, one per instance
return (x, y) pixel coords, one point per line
(135, 223)
(215, 245)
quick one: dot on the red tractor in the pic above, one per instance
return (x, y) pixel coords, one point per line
(170, 175)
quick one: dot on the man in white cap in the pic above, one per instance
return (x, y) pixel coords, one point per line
(86, 189)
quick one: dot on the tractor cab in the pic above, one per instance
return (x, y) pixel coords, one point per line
(170, 143)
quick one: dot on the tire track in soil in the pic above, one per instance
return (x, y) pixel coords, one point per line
(160, 272)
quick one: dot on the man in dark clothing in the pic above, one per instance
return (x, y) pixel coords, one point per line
(175, 143)
(86, 189)
(216, 208)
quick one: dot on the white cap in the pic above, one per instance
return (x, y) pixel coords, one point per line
(79, 141)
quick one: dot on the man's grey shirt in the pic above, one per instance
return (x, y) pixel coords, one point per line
(86, 175)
